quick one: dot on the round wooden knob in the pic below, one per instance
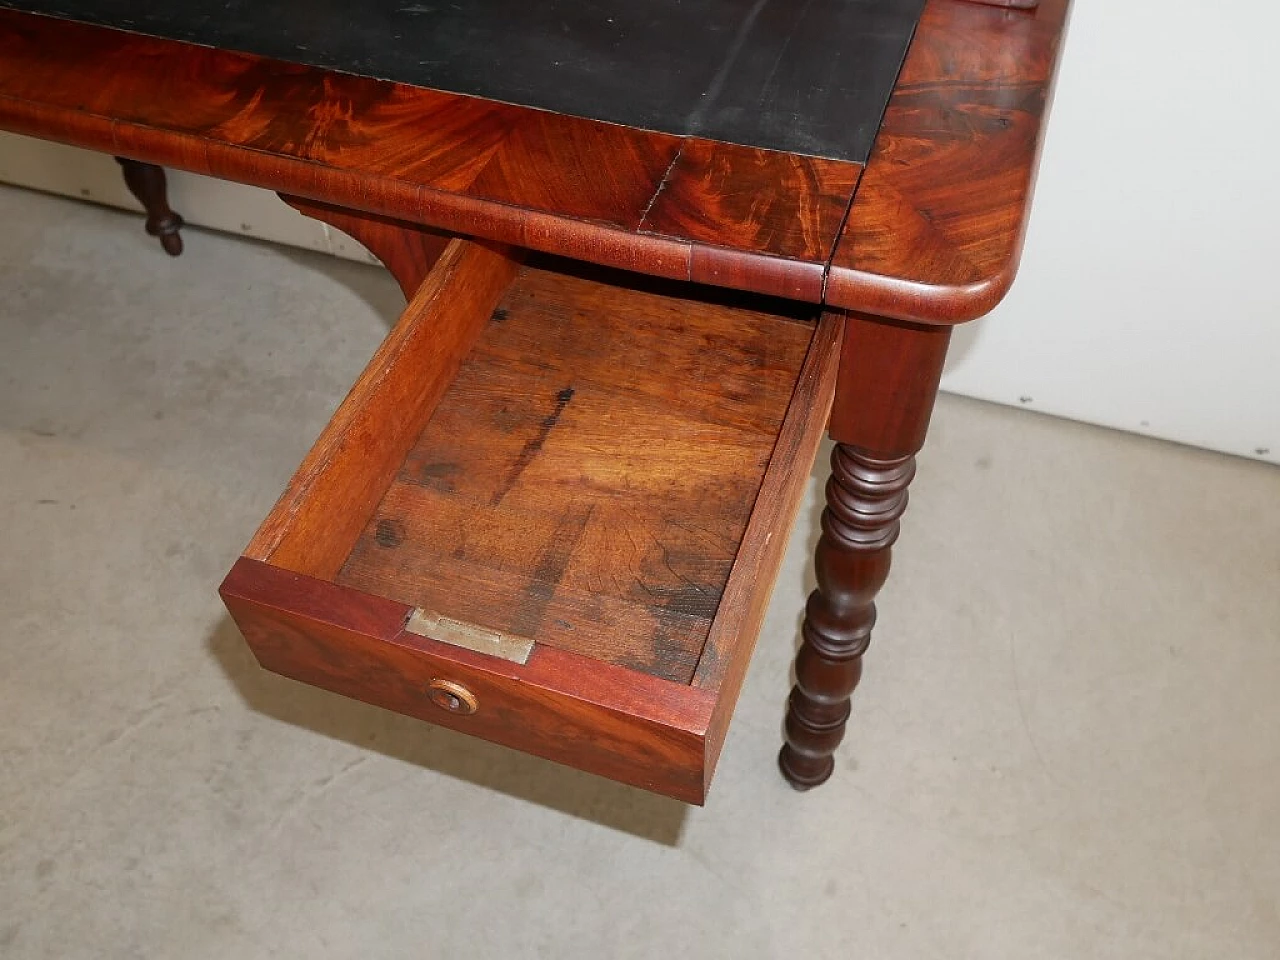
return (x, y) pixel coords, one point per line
(453, 697)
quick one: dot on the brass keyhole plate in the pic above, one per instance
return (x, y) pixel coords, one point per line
(453, 697)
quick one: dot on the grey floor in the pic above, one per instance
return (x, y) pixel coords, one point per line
(1067, 743)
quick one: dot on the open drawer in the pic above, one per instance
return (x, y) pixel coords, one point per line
(550, 513)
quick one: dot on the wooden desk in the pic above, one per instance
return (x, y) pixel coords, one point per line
(550, 511)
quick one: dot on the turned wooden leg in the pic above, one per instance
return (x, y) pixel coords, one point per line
(888, 381)
(146, 181)
(408, 250)
(865, 498)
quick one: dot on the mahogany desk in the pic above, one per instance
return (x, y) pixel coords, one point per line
(652, 250)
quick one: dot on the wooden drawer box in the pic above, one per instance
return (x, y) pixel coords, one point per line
(549, 514)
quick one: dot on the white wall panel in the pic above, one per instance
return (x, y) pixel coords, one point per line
(1148, 298)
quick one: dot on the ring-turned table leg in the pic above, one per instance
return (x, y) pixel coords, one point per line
(146, 181)
(889, 376)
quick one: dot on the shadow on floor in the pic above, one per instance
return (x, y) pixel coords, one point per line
(479, 762)
(370, 282)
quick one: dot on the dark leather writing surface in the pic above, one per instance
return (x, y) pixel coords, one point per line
(803, 76)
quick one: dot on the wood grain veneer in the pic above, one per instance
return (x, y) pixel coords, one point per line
(935, 230)
(533, 179)
(729, 199)
(932, 235)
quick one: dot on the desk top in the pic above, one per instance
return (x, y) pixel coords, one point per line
(810, 78)
(928, 230)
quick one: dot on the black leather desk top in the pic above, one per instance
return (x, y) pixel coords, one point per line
(802, 76)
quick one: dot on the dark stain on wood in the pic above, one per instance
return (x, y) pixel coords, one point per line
(533, 445)
(439, 476)
(389, 533)
(689, 600)
(667, 657)
(552, 564)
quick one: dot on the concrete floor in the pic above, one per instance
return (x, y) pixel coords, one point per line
(1067, 743)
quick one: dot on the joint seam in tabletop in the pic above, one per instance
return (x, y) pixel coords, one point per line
(781, 251)
(1000, 52)
(867, 271)
(853, 194)
(426, 196)
(439, 199)
(666, 178)
(844, 220)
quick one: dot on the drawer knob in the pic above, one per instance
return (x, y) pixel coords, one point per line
(453, 697)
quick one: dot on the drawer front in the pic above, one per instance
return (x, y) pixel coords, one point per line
(636, 729)
(582, 481)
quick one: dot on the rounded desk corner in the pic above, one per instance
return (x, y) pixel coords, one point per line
(915, 301)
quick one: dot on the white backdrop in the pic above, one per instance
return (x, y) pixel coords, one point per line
(1145, 301)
